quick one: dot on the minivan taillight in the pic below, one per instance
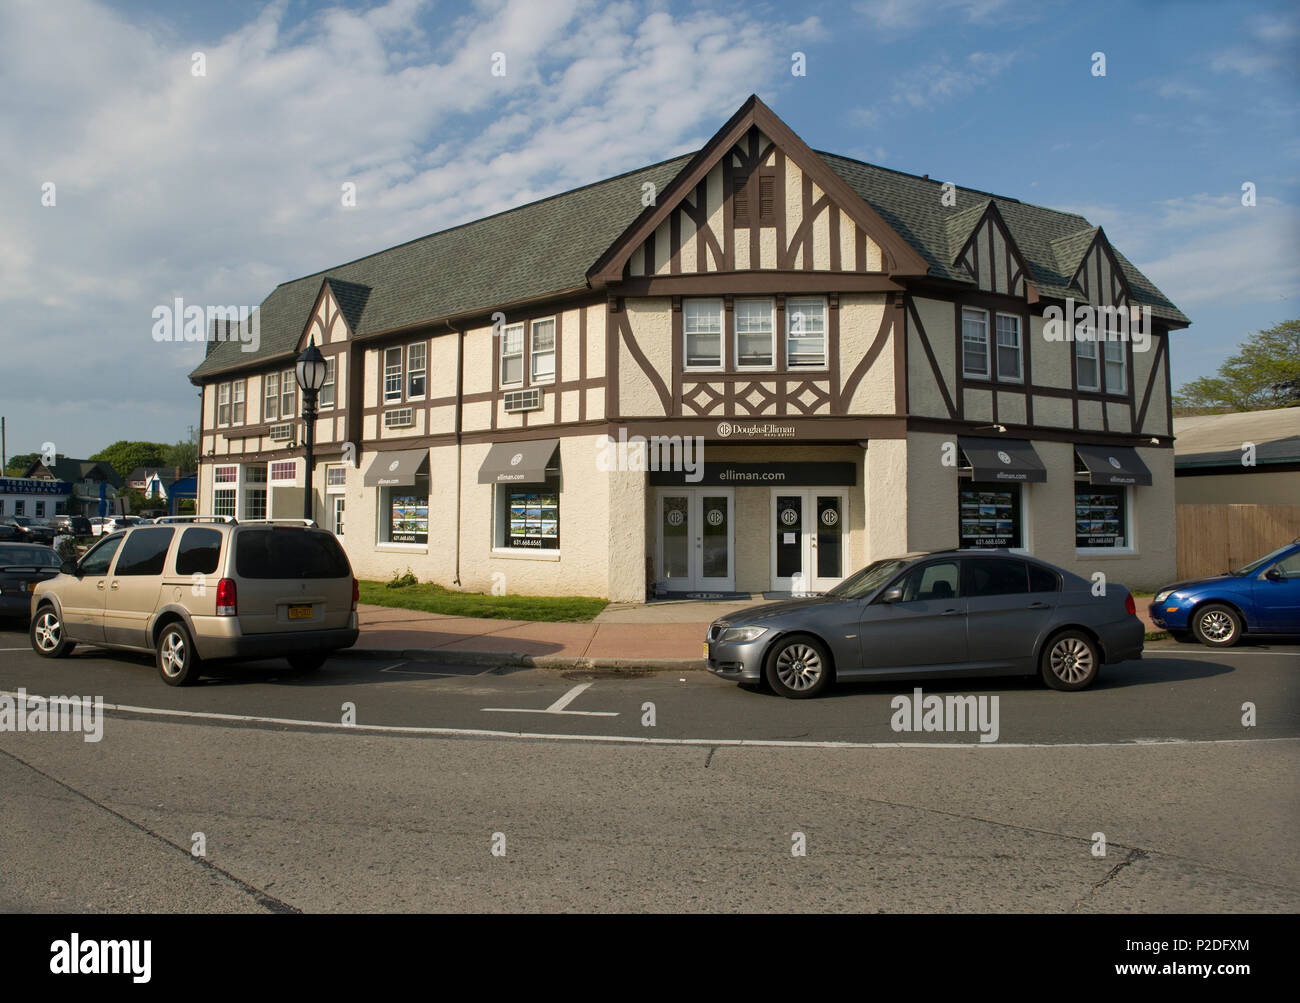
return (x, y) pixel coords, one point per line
(1130, 605)
(227, 602)
(356, 594)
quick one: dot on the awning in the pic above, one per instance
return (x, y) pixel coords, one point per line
(518, 462)
(1002, 459)
(1113, 465)
(396, 468)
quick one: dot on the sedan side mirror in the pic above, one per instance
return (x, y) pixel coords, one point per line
(892, 595)
(68, 568)
(1273, 575)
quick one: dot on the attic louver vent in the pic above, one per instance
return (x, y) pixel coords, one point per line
(401, 418)
(766, 198)
(280, 433)
(524, 400)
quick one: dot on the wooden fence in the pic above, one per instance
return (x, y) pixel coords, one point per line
(1216, 538)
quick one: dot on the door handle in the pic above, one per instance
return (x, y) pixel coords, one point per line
(950, 612)
(1038, 605)
(113, 586)
(99, 585)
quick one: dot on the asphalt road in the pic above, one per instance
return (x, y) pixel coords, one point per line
(598, 811)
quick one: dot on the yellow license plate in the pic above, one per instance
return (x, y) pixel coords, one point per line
(299, 612)
(706, 649)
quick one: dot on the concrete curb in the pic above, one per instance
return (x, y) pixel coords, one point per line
(445, 656)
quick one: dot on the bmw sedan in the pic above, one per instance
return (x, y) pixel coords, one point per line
(948, 613)
(1261, 598)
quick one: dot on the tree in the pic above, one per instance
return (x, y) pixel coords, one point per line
(124, 456)
(1264, 374)
(184, 454)
(18, 465)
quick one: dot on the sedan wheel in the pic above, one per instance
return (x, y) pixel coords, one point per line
(1217, 625)
(798, 668)
(178, 662)
(1070, 661)
(47, 637)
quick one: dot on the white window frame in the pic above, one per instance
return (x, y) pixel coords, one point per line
(331, 485)
(272, 397)
(238, 393)
(1019, 347)
(534, 354)
(223, 404)
(1080, 356)
(393, 375)
(1130, 542)
(507, 332)
(288, 394)
(501, 522)
(704, 306)
(975, 315)
(412, 369)
(771, 333)
(274, 478)
(793, 309)
(1106, 362)
(326, 397)
(250, 493)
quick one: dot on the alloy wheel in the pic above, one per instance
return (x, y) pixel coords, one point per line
(1071, 659)
(173, 654)
(49, 631)
(799, 667)
(1217, 625)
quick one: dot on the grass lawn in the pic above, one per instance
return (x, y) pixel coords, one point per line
(436, 599)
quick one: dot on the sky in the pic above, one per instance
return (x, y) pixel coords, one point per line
(217, 186)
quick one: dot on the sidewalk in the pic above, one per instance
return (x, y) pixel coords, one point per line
(667, 635)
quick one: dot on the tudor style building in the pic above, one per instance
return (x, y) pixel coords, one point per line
(868, 358)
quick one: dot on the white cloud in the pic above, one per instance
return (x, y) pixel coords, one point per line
(216, 188)
(908, 15)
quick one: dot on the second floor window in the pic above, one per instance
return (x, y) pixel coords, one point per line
(1009, 361)
(272, 408)
(702, 330)
(543, 350)
(754, 333)
(512, 354)
(805, 333)
(288, 394)
(1087, 372)
(326, 398)
(1114, 365)
(392, 375)
(416, 368)
(223, 404)
(975, 343)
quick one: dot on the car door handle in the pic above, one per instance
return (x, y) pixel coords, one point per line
(950, 612)
(1038, 605)
(113, 586)
(100, 586)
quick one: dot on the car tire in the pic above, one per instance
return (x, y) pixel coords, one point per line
(308, 662)
(177, 660)
(1070, 661)
(1217, 625)
(797, 667)
(47, 636)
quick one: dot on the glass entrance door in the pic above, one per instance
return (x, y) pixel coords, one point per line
(808, 539)
(696, 539)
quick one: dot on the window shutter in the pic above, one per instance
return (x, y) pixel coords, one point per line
(740, 201)
(767, 199)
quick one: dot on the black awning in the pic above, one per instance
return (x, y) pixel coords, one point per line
(395, 468)
(518, 462)
(1002, 459)
(1113, 465)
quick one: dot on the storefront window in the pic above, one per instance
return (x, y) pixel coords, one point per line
(1100, 516)
(990, 515)
(404, 512)
(528, 516)
(223, 502)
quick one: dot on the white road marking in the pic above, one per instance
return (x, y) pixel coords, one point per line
(15, 649)
(1217, 652)
(772, 743)
(558, 706)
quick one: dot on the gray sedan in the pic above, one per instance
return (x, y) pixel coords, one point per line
(947, 613)
(22, 565)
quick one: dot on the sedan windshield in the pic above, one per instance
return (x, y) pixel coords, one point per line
(39, 557)
(1254, 566)
(864, 582)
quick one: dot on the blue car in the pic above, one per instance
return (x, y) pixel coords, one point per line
(1261, 598)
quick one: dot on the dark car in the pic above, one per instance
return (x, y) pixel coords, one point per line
(22, 566)
(946, 613)
(1261, 598)
(73, 525)
(30, 531)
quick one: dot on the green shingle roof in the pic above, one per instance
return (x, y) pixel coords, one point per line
(547, 247)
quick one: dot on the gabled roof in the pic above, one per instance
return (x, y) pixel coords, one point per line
(64, 468)
(563, 244)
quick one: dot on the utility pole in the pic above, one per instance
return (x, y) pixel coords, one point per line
(4, 455)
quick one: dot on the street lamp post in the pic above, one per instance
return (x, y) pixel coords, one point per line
(310, 374)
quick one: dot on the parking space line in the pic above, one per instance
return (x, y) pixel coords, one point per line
(558, 707)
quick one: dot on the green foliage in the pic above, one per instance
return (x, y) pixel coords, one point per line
(1264, 374)
(124, 456)
(18, 465)
(184, 454)
(402, 581)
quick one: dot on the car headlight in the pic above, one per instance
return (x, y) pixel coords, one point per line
(1162, 596)
(742, 633)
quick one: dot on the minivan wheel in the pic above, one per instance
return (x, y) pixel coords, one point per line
(1217, 625)
(798, 667)
(46, 633)
(309, 662)
(178, 662)
(1070, 661)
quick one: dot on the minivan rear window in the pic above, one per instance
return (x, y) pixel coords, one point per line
(199, 551)
(289, 553)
